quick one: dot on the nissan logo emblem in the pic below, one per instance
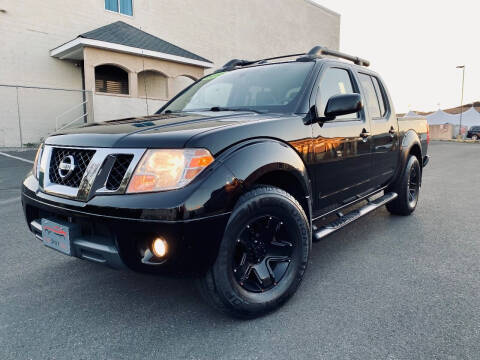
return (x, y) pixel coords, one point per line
(66, 166)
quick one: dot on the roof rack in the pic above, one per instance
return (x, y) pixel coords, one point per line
(232, 64)
(318, 51)
(315, 53)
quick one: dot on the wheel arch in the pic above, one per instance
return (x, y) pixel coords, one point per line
(416, 151)
(410, 145)
(270, 162)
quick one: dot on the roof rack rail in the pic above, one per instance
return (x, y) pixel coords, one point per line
(232, 64)
(318, 51)
(314, 53)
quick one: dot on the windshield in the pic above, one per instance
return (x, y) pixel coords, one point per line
(269, 88)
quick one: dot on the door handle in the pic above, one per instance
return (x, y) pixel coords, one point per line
(364, 134)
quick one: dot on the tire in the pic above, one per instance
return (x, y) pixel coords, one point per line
(262, 257)
(407, 188)
(475, 137)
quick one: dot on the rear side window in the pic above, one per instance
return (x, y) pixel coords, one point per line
(370, 96)
(334, 81)
(380, 95)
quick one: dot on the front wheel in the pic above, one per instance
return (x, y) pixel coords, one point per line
(262, 257)
(475, 137)
(407, 188)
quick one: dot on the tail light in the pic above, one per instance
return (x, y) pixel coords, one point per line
(428, 134)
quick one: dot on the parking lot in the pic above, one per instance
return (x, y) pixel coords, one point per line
(385, 287)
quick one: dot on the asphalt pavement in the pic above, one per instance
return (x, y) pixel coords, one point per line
(385, 287)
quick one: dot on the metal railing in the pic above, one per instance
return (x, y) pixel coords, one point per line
(74, 107)
(28, 114)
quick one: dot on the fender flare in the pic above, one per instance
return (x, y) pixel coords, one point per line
(249, 161)
(409, 141)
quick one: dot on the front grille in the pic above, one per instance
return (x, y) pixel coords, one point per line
(122, 162)
(82, 159)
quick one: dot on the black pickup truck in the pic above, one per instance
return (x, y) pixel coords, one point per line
(233, 179)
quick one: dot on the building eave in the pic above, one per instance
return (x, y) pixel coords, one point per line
(73, 50)
(327, 10)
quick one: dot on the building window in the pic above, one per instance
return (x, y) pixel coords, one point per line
(111, 79)
(120, 6)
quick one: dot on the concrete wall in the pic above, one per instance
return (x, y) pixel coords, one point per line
(34, 113)
(218, 30)
(446, 131)
(441, 132)
(110, 107)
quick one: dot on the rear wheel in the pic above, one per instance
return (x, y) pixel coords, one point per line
(408, 189)
(475, 137)
(262, 257)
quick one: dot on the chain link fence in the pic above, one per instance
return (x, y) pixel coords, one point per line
(29, 114)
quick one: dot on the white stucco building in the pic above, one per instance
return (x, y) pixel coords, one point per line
(62, 60)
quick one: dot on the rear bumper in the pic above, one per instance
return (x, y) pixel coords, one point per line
(116, 240)
(425, 160)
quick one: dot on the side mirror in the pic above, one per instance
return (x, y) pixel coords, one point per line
(342, 104)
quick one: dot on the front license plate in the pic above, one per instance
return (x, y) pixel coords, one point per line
(56, 236)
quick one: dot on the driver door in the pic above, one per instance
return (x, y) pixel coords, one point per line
(342, 147)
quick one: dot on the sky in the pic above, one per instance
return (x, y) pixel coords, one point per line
(415, 46)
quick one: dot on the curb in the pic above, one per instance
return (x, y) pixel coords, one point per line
(458, 141)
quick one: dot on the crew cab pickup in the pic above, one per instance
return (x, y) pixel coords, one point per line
(233, 179)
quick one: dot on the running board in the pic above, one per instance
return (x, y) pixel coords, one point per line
(345, 219)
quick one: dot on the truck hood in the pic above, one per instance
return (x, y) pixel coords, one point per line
(156, 131)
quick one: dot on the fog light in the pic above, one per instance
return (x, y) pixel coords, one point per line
(159, 247)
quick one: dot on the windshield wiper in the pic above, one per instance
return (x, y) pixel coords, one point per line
(214, 108)
(220, 108)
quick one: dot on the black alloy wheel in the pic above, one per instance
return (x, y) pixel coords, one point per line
(413, 187)
(262, 257)
(263, 253)
(407, 186)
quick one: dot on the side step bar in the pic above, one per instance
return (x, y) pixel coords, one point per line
(345, 219)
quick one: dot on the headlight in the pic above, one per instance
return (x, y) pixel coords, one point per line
(160, 170)
(38, 157)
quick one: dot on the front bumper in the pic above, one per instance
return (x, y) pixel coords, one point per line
(99, 249)
(115, 229)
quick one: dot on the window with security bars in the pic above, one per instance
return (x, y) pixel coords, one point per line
(111, 79)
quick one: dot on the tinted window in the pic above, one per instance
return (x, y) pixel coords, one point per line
(370, 96)
(380, 96)
(269, 88)
(334, 82)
